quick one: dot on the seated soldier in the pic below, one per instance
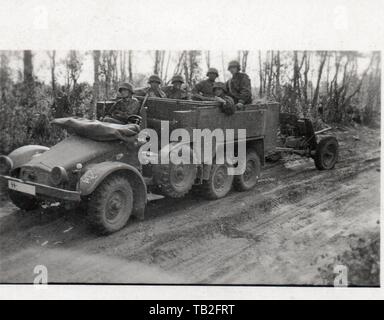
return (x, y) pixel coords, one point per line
(239, 86)
(175, 91)
(124, 107)
(227, 103)
(204, 89)
(153, 90)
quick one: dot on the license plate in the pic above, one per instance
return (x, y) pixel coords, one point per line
(22, 187)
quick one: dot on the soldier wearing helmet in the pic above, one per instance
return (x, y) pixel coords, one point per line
(239, 86)
(175, 91)
(227, 103)
(204, 89)
(125, 105)
(154, 89)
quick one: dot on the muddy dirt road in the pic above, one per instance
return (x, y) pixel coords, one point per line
(291, 229)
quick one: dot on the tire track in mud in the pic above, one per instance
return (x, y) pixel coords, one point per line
(168, 245)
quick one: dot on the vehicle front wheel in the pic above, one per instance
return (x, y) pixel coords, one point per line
(110, 205)
(23, 201)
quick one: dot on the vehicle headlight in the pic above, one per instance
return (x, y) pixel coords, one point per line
(58, 175)
(6, 165)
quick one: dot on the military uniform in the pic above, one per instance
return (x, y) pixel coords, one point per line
(239, 87)
(203, 89)
(123, 108)
(176, 93)
(228, 105)
(152, 92)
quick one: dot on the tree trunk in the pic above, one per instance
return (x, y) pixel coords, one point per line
(52, 56)
(260, 76)
(156, 68)
(244, 61)
(223, 66)
(319, 73)
(4, 75)
(167, 67)
(130, 75)
(278, 88)
(96, 82)
(208, 58)
(28, 68)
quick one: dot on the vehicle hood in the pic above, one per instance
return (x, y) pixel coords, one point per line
(73, 150)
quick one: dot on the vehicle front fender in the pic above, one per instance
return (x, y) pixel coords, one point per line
(22, 155)
(96, 173)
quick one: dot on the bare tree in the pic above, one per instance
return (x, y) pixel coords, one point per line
(260, 77)
(28, 67)
(223, 66)
(4, 75)
(277, 76)
(244, 60)
(323, 58)
(96, 82)
(130, 75)
(208, 58)
(165, 78)
(52, 59)
(156, 67)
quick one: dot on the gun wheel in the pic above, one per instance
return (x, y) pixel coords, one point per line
(110, 205)
(327, 153)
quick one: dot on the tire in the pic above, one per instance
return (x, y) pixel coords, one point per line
(174, 180)
(327, 153)
(219, 183)
(23, 201)
(110, 206)
(249, 178)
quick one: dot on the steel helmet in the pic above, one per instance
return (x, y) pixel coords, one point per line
(127, 86)
(213, 70)
(234, 63)
(154, 78)
(177, 78)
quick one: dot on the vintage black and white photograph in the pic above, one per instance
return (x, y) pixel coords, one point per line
(248, 167)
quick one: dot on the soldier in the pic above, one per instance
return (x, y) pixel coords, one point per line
(204, 89)
(154, 89)
(175, 91)
(239, 87)
(124, 106)
(228, 105)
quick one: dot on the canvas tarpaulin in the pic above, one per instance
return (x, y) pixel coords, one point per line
(97, 130)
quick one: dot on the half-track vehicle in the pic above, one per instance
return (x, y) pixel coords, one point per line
(98, 165)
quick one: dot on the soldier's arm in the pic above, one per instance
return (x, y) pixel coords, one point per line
(246, 90)
(126, 110)
(196, 92)
(229, 106)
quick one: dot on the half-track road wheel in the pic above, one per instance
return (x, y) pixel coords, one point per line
(249, 178)
(219, 183)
